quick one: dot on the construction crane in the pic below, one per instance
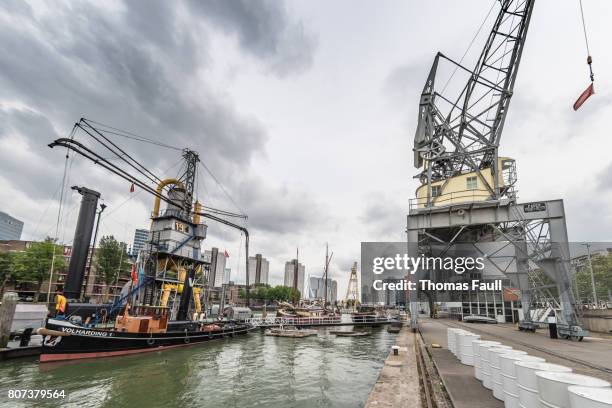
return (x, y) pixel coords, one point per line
(352, 291)
(467, 192)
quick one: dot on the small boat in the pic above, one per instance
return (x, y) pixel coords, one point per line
(290, 332)
(342, 333)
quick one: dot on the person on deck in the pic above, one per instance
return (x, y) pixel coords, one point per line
(60, 303)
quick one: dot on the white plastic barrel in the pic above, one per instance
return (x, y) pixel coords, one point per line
(476, 350)
(589, 397)
(452, 339)
(485, 357)
(508, 376)
(552, 387)
(495, 363)
(458, 335)
(527, 383)
(467, 352)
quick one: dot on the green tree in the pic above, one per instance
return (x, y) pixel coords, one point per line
(34, 264)
(111, 261)
(602, 272)
(7, 264)
(280, 293)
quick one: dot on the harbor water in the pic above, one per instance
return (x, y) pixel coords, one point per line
(321, 371)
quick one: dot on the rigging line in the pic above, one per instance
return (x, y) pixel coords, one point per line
(63, 190)
(118, 148)
(131, 135)
(469, 46)
(119, 156)
(586, 40)
(222, 188)
(133, 195)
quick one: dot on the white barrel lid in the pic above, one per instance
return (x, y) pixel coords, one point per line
(597, 394)
(497, 349)
(486, 342)
(521, 357)
(572, 378)
(509, 352)
(544, 366)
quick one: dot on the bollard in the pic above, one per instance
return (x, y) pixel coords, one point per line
(395, 350)
(7, 312)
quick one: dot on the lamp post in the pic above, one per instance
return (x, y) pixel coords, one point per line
(93, 247)
(588, 247)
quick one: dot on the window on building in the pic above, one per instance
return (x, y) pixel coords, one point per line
(472, 183)
(436, 190)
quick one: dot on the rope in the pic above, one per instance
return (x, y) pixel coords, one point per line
(469, 46)
(586, 42)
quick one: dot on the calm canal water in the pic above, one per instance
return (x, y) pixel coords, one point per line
(254, 370)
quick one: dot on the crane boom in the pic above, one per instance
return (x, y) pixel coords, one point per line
(461, 133)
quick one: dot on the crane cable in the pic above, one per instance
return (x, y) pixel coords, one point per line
(586, 41)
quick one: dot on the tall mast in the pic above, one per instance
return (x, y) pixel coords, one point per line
(325, 277)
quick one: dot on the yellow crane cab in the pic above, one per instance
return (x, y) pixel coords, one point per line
(468, 187)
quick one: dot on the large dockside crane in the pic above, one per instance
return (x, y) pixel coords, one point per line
(467, 192)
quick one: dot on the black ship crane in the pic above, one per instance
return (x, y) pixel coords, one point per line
(173, 267)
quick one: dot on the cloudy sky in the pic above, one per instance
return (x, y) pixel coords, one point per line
(304, 110)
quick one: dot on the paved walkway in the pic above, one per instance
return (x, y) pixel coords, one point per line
(398, 383)
(463, 388)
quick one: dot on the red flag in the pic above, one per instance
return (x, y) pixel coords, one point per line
(132, 188)
(585, 95)
(134, 274)
(226, 254)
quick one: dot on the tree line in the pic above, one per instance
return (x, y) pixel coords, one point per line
(34, 263)
(268, 293)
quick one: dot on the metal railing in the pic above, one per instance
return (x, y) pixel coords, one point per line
(312, 321)
(455, 197)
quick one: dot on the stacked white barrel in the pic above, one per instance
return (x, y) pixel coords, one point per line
(589, 397)
(508, 376)
(527, 380)
(524, 381)
(477, 360)
(467, 352)
(553, 387)
(485, 358)
(450, 335)
(495, 363)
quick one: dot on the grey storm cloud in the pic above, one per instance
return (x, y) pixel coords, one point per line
(264, 29)
(385, 217)
(280, 209)
(135, 67)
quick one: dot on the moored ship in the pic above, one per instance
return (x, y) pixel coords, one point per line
(161, 306)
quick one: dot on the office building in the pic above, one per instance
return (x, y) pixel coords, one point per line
(217, 262)
(259, 268)
(141, 237)
(10, 227)
(289, 273)
(316, 289)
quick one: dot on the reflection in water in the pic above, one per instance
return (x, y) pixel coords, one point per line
(323, 371)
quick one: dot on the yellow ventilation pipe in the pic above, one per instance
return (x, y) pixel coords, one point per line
(196, 210)
(160, 187)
